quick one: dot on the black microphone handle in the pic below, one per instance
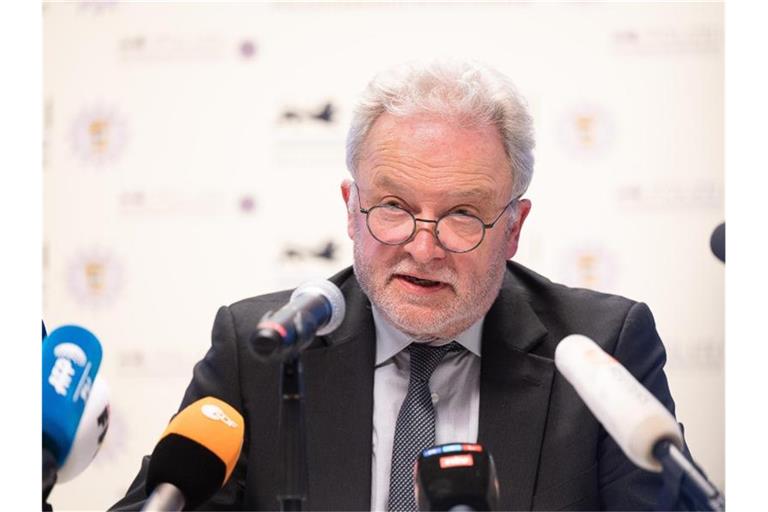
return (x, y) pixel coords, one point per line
(165, 498)
(672, 458)
(50, 469)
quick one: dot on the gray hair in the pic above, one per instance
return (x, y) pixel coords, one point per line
(470, 91)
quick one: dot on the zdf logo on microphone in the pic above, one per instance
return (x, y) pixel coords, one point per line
(215, 413)
(67, 356)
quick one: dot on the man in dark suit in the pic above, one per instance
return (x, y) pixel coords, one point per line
(440, 156)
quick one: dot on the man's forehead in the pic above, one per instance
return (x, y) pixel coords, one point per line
(428, 154)
(389, 183)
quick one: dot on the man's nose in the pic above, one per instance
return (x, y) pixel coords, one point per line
(424, 247)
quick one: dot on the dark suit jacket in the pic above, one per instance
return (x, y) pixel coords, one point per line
(549, 450)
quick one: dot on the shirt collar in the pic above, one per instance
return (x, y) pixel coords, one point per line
(390, 341)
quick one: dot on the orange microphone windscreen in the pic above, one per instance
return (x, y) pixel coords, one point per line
(213, 424)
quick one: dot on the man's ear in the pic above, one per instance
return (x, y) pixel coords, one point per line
(346, 194)
(523, 209)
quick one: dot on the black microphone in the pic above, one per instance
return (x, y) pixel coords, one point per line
(457, 477)
(315, 308)
(717, 242)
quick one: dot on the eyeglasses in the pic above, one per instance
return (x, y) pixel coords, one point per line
(458, 232)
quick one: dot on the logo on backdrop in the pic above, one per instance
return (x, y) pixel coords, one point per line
(705, 353)
(95, 278)
(196, 47)
(96, 6)
(308, 135)
(186, 202)
(325, 251)
(247, 204)
(322, 113)
(589, 266)
(47, 131)
(247, 49)
(702, 38)
(586, 131)
(671, 195)
(98, 135)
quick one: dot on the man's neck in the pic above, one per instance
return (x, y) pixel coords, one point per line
(390, 340)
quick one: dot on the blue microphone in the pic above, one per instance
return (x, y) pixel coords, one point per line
(71, 359)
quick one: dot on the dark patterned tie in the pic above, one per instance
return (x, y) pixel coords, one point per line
(415, 428)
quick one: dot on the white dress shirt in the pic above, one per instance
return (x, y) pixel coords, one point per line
(455, 387)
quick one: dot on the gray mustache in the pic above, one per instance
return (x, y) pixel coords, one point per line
(442, 276)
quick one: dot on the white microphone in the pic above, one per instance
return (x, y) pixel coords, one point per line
(90, 432)
(633, 417)
(644, 429)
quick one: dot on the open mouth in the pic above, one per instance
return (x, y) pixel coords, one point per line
(424, 283)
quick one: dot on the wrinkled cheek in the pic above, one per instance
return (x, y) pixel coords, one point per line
(374, 254)
(368, 262)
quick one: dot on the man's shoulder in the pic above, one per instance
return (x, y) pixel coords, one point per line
(540, 289)
(565, 309)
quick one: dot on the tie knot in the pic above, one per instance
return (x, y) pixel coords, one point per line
(425, 358)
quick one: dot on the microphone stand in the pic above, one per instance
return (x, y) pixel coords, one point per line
(694, 486)
(293, 435)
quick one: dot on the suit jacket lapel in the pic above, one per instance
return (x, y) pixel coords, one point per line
(514, 398)
(339, 409)
(514, 394)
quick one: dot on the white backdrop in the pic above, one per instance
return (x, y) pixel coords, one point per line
(188, 147)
